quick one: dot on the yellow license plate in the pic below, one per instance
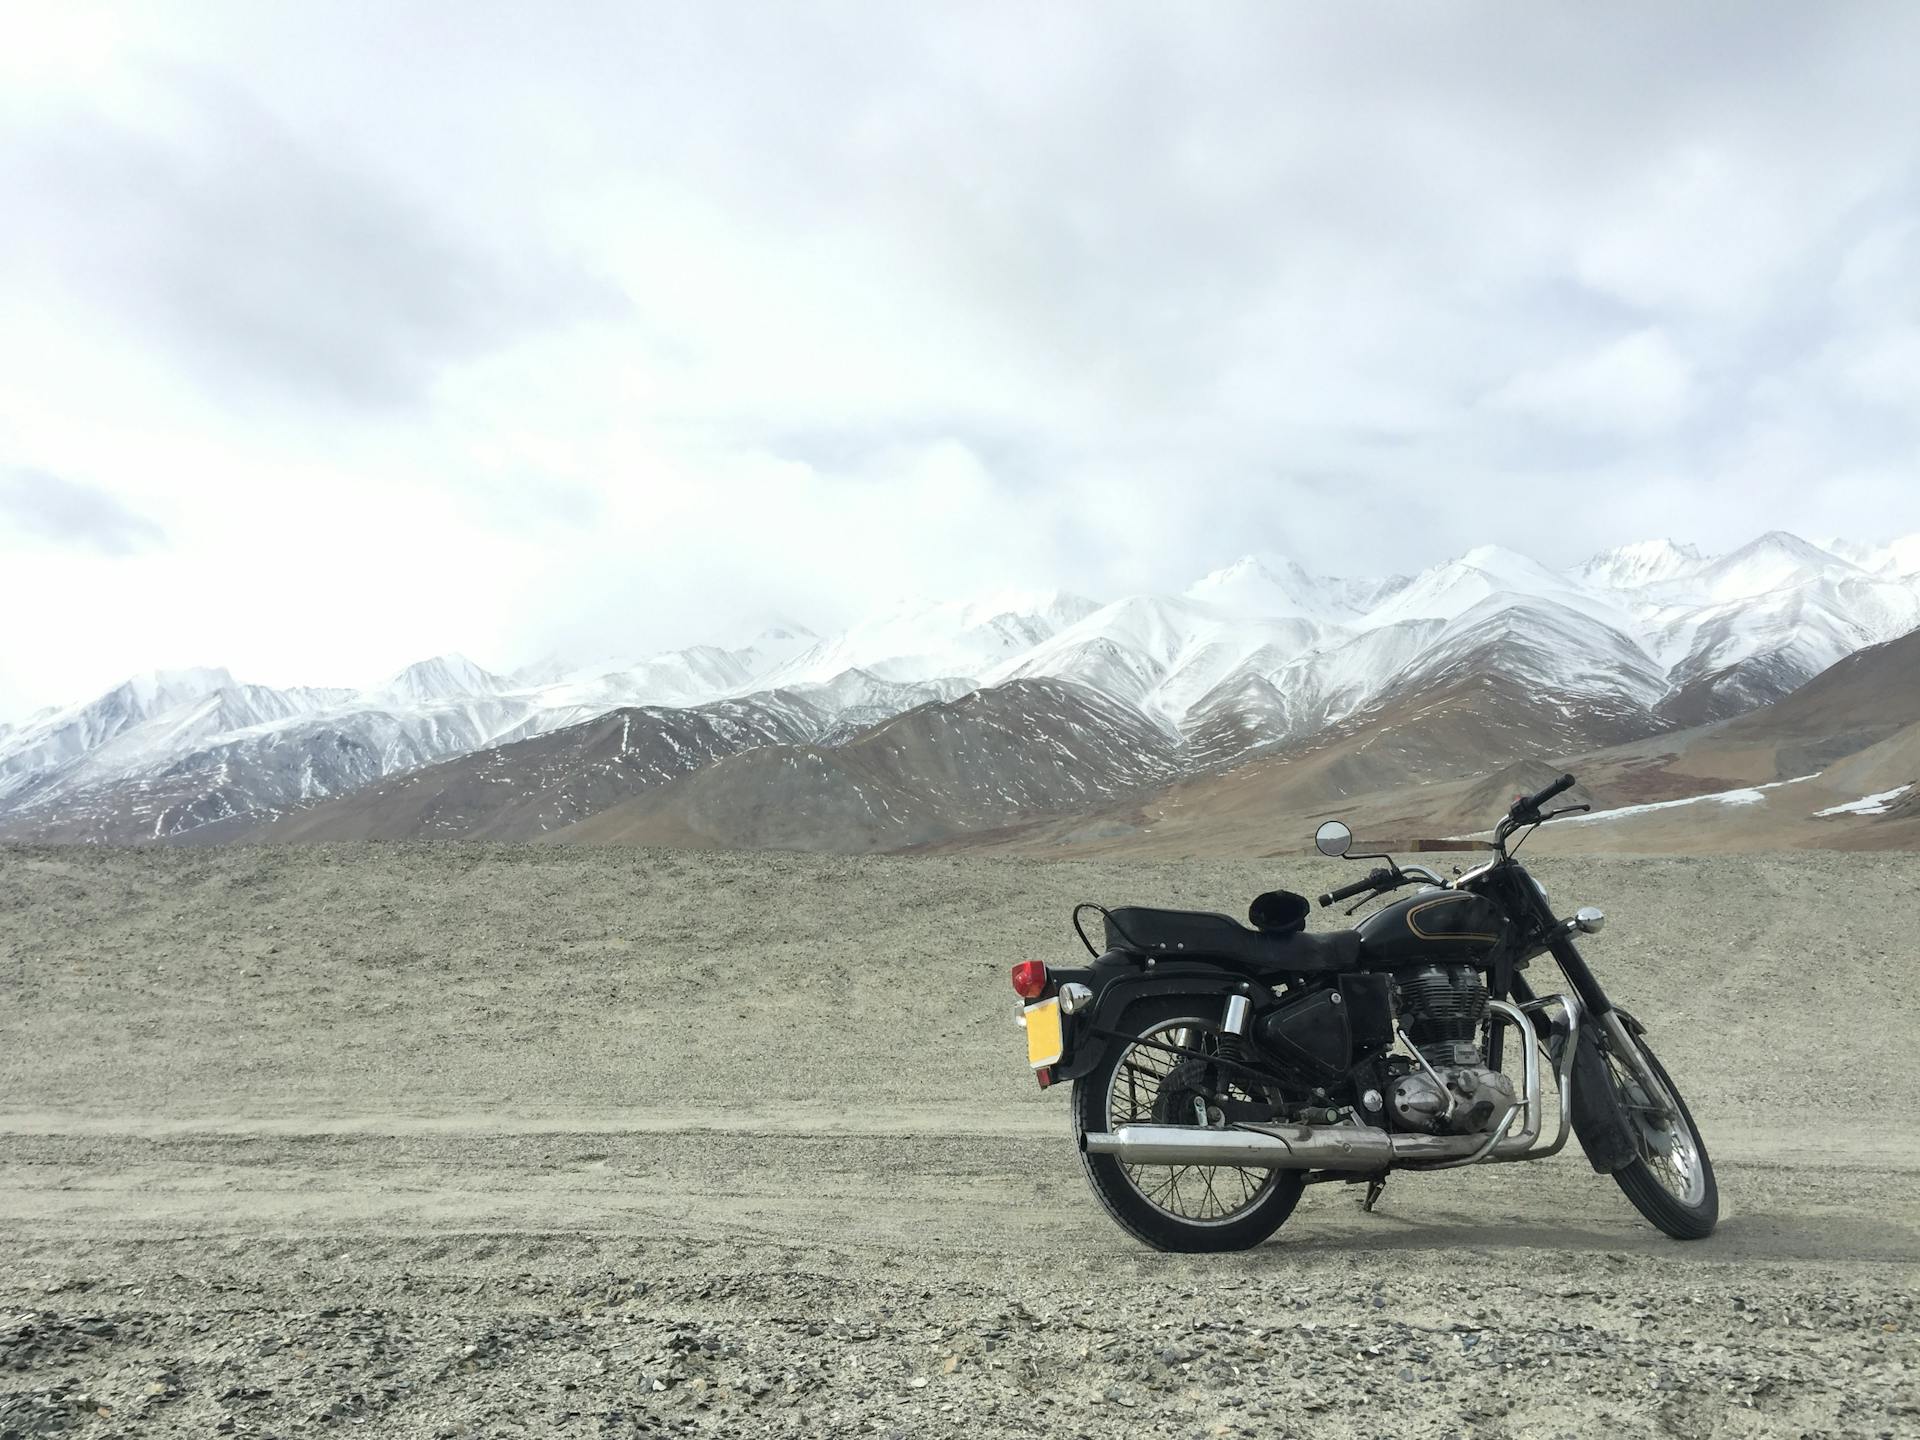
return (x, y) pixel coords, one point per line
(1044, 1044)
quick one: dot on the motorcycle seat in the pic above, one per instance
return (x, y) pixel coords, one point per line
(1208, 935)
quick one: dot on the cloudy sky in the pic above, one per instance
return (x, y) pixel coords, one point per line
(336, 335)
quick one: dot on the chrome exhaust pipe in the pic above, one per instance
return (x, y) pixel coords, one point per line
(1255, 1147)
(1361, 1148)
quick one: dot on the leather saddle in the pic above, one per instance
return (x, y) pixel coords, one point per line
(1281, 946)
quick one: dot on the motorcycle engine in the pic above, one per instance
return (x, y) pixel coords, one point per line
(1442, 1008)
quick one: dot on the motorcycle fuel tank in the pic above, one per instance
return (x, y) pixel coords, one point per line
(1434, 925)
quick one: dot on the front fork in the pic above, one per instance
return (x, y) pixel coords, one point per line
(1614, 1024)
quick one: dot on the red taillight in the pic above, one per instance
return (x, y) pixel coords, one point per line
(1030, 979)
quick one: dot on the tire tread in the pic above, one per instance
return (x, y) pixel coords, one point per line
(1641, 1186)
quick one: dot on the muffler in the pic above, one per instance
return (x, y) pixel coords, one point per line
(1361, 1148)
(1254, 1147)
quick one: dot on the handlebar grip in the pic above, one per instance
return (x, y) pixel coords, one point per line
(1347, 892)
(1534, 802)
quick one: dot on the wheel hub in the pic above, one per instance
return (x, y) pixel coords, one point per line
(1187, 1098)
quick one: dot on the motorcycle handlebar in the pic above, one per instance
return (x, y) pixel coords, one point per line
(1374, 880)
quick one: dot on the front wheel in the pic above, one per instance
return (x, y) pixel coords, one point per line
(1160, 1077)
(1670, 1179)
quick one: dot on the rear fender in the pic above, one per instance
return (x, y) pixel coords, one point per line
(1130, 981)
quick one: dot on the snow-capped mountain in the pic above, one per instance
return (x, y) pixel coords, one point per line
(54, 740)
(444, 677)
(916, 641)
(773, 647)
(1635, 566)
(1545, 646)
(1751, 651)
(525, 788)
(680, 677)
(1025, 749)
(1773, 563)
(1898, 559)
(1161, 653)
(856, 699)
(676, 677)
(1257, 654)
(1735, 631)
(1450, 590)
(1275, 587)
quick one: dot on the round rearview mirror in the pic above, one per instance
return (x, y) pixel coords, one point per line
(1333, 838)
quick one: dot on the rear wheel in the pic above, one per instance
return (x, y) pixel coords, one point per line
(1670, 1179)
(1175, 1207)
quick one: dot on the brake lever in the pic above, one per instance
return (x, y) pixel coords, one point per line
(1569, 810)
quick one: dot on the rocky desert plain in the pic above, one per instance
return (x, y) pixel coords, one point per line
(449, 1140)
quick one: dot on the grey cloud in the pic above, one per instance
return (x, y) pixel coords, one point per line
(67, 512)
(1262, 242)
(268, 260)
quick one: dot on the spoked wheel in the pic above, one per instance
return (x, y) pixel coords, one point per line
(1670, 1179)
(1176, 1207)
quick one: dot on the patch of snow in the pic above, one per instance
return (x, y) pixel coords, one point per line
(1746, 795)
(1867, 804)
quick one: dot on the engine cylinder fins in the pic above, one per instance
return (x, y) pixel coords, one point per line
(1442, 1008)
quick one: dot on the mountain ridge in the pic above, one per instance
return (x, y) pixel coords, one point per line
(1654, 635)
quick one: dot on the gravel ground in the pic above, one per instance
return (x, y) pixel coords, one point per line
(466, 1141)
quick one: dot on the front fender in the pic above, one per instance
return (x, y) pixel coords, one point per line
(1128, 981)
(1599, 1119)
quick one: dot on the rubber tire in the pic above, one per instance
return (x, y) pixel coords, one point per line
(1643, 1187)
(1136, 1215)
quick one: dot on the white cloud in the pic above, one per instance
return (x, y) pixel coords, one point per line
(1638, 384)
(1886, 369)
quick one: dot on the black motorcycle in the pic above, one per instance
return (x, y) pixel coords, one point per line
(1219, 1069)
